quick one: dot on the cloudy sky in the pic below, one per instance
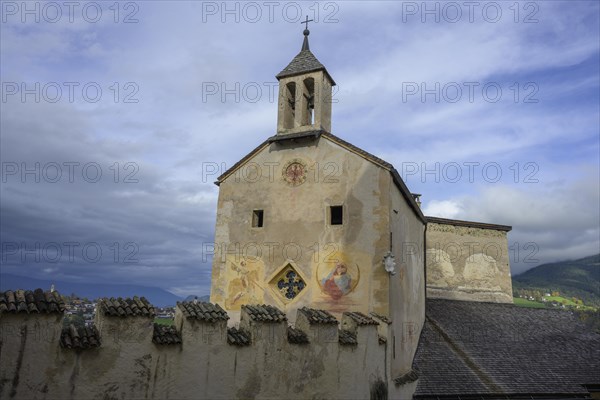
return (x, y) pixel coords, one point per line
(117, 118)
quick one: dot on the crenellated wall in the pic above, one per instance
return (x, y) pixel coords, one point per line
(263, 357)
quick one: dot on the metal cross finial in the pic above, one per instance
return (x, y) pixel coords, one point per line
(306, 22)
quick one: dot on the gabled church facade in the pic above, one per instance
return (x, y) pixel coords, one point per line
(306, 219)
(307, 204)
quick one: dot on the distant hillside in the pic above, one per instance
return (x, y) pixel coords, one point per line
(574, 278)
(156, 296)
(204, 298)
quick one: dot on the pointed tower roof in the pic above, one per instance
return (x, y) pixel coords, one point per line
(304, 62)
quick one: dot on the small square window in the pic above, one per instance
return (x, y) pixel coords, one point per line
(337, 215)
(257, 218)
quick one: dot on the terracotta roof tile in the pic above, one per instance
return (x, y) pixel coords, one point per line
(315, 316)
(296, 336)
(238, 337)
(264, 313)
(164, 334)
(347, 337)
(382, 318)
(83, 337)
(127, 307)
(203, 311)
(27, 301)
(360, 318)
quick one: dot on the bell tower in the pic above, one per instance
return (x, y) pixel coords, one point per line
(304, 93)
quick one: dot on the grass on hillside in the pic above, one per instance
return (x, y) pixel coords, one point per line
(536, 304)
(568, 302)
(527, 303)
(164, 321)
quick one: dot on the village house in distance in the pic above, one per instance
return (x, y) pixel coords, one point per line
(370, 299)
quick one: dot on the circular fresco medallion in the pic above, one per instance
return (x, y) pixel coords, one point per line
(294, 172)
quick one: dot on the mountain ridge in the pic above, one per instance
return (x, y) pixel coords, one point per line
(572, 278)
(157, 296)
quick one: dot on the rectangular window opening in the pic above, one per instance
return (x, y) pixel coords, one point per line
(337, 215)
(258, 218)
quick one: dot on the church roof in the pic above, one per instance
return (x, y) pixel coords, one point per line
(473, 348)
(303, 63)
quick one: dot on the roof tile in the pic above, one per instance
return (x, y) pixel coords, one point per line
(304, 62)
(31, 302)
(125, 307)
(238, 337)
(347, 338)
(202, 311)
(382, 318)
(79, 338)
(164, 334)
(472, 347)
(296, 336)
(409, 377)
(315, 316)
(360, 318)
(264, 313)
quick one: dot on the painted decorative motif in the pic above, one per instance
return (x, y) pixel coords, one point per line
(244, 284)
(288, 283)
(338, 282)
(294, 172)
(339, 279)
(440, 271)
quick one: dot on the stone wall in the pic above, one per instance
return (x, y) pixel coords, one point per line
(468, 261)
(319, 358)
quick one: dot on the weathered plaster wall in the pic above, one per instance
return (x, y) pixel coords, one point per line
(297, 229)
(468, 263)
(128, 365)
(28, 342)
(407, 286)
